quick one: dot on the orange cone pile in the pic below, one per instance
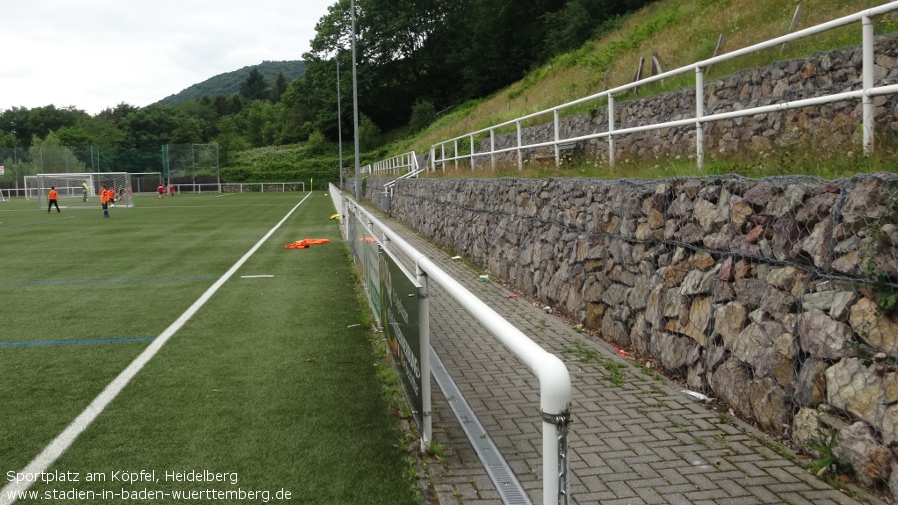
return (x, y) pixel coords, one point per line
(306, 242)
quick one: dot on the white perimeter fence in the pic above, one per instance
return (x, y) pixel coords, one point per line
(448, 150)
(553, 376)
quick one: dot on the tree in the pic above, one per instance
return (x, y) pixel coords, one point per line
(25, 124)
(423, 113)
(204, 110)
(263, 123)
(50, 156)
(229, 140)
(74, 136)
(279, 87)
(579, 20)
(369, 133)
(103, 130)
(254, 87)
(119, 112)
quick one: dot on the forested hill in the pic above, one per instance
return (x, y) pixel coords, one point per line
(229, 83)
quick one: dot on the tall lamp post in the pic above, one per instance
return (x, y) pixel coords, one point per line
(339, 123)
(355, 109)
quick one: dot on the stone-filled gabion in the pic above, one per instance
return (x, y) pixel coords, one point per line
(776, 295)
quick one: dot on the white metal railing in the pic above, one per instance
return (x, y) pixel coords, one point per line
(439, 154)
(406, 162)
(552, 373)
(262, 187)
(413, 171)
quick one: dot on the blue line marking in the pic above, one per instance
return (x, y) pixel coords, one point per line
(63, 342)
(88, 281)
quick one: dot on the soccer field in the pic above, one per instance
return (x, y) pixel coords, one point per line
(223, 368)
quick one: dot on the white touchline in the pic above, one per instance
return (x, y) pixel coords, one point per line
(65, 439)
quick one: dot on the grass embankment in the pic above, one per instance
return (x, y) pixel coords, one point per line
(680, 32)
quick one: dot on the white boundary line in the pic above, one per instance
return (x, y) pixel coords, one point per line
(65, 439)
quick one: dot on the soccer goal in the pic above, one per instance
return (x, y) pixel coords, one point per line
(82, 190)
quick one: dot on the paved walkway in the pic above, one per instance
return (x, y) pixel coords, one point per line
(635, 437)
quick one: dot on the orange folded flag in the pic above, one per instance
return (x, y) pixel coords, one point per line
(306, 242)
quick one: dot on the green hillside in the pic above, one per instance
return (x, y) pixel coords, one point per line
(229, 83)
(679, 32)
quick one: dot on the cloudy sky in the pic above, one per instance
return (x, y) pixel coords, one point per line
(95, 54)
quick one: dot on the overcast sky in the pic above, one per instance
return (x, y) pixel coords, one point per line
(95, 54)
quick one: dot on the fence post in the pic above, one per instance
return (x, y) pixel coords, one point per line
(699, 112)
(424, 339)
(795, 18)
(638, 75)
(611, 131)
(493, 149)
(520, 154)
(557, 150)
(471, 157)
(868, 63)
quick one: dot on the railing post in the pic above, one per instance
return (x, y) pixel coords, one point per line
(443, 155)
(471, 158)
(611, 131)
(455, 146)
(520, 155)
(699, 112)
(557, 150)
(424, 338)
(433, 161)
(492, 149)
(868, 64)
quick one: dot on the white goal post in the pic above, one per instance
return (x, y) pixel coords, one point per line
(81, 190)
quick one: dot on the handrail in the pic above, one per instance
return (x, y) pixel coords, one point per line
(552, 373)
(414, 170)
(866, 94)
(392, 165)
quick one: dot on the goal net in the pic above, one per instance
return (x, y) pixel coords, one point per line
(81, 190)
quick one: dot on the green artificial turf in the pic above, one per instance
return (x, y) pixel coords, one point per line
(272, 379)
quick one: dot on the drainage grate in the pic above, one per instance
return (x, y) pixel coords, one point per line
(503, 478)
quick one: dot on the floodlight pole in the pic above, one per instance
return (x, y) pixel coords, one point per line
(355, 108)
(339, 124)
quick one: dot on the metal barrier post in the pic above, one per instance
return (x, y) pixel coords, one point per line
(611, 130)
(867, 71)
(471, 157)
(493, 149)
(557, 150)
(699, 112)
(424, 337)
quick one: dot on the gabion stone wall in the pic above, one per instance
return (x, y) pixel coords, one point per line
(779, 296)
